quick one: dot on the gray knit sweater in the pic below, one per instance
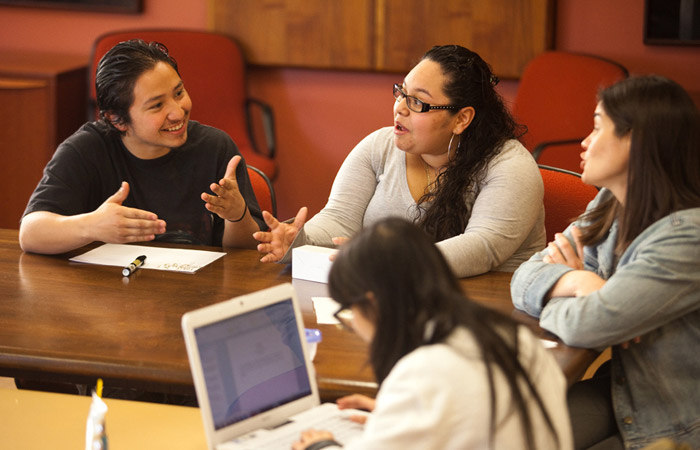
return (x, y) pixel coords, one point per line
(505, 228)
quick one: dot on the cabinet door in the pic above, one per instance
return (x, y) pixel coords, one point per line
(306, 33)
(24, 113)
(505, 33)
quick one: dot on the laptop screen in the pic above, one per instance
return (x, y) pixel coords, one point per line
(252, 362)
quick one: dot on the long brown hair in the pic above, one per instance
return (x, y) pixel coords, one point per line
(664, 163)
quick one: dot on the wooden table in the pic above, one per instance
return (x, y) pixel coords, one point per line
(76, 322)
(37, 420)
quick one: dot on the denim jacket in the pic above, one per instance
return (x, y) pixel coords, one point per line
(653, 291)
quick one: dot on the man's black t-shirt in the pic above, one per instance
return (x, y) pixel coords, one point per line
(90, 165)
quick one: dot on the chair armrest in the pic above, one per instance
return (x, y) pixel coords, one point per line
(267, 119)
(542, 146)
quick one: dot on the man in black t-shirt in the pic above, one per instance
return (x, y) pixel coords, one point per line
(143, 171)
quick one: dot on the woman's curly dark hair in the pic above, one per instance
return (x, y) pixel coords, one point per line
(468, 82)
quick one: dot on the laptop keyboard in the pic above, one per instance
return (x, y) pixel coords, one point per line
(344, 431)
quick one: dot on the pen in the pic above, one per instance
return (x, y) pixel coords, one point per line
(133, 267)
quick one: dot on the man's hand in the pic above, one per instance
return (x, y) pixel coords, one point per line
(113, 223)
(228, 203)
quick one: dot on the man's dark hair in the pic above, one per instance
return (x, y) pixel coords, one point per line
(117, 73)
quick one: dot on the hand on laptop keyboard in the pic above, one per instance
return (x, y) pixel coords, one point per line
(356, 402)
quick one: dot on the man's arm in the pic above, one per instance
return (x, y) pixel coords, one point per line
(50, 233)
(240, 234)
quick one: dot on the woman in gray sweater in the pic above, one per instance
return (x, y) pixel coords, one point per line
(451, 163)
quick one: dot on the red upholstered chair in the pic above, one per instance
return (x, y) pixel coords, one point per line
(264, 191)
(565, 198)
(556, 98)
(213, 69)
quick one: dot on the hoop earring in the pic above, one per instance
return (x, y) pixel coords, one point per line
(449, 146)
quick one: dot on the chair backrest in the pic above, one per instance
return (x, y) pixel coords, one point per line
(264, 191)
(556, 97)
(565, 198)
(213, 69)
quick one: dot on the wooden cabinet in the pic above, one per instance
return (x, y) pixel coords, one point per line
(42, 101)
(506, 33)
(306, 33)
(384, 35)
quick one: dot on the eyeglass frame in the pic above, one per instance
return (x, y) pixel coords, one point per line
(425, 107)
(343, 322)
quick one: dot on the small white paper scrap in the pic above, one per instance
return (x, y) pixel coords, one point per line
(548, 344)
(173, 259)
(312, 263)
(325, 307)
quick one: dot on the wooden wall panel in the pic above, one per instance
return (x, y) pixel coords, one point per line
(506, 33)
(384, 35)
(302, 33)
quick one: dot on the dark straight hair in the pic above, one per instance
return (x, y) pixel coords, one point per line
(117, 73)
(664, 162)
(469, 81)
(413, 289)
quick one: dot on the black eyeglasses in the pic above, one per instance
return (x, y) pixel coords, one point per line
(416, 105)
(344, 318)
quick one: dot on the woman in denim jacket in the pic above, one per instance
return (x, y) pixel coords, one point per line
(626, 274)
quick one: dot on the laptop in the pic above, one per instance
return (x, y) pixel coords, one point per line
(255, 385)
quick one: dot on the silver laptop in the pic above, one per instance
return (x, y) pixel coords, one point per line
(255, 385)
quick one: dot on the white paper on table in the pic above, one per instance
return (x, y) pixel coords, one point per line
(325, 307)
(174, 259)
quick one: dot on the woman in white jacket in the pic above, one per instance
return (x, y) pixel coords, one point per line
(452, 374)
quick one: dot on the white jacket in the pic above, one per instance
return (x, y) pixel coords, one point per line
(437, 397)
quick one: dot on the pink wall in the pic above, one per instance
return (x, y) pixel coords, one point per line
(614, 29)
(321, 115)
(65, 31)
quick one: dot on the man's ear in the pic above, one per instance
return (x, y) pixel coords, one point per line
(464, 119)
(116, 121)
